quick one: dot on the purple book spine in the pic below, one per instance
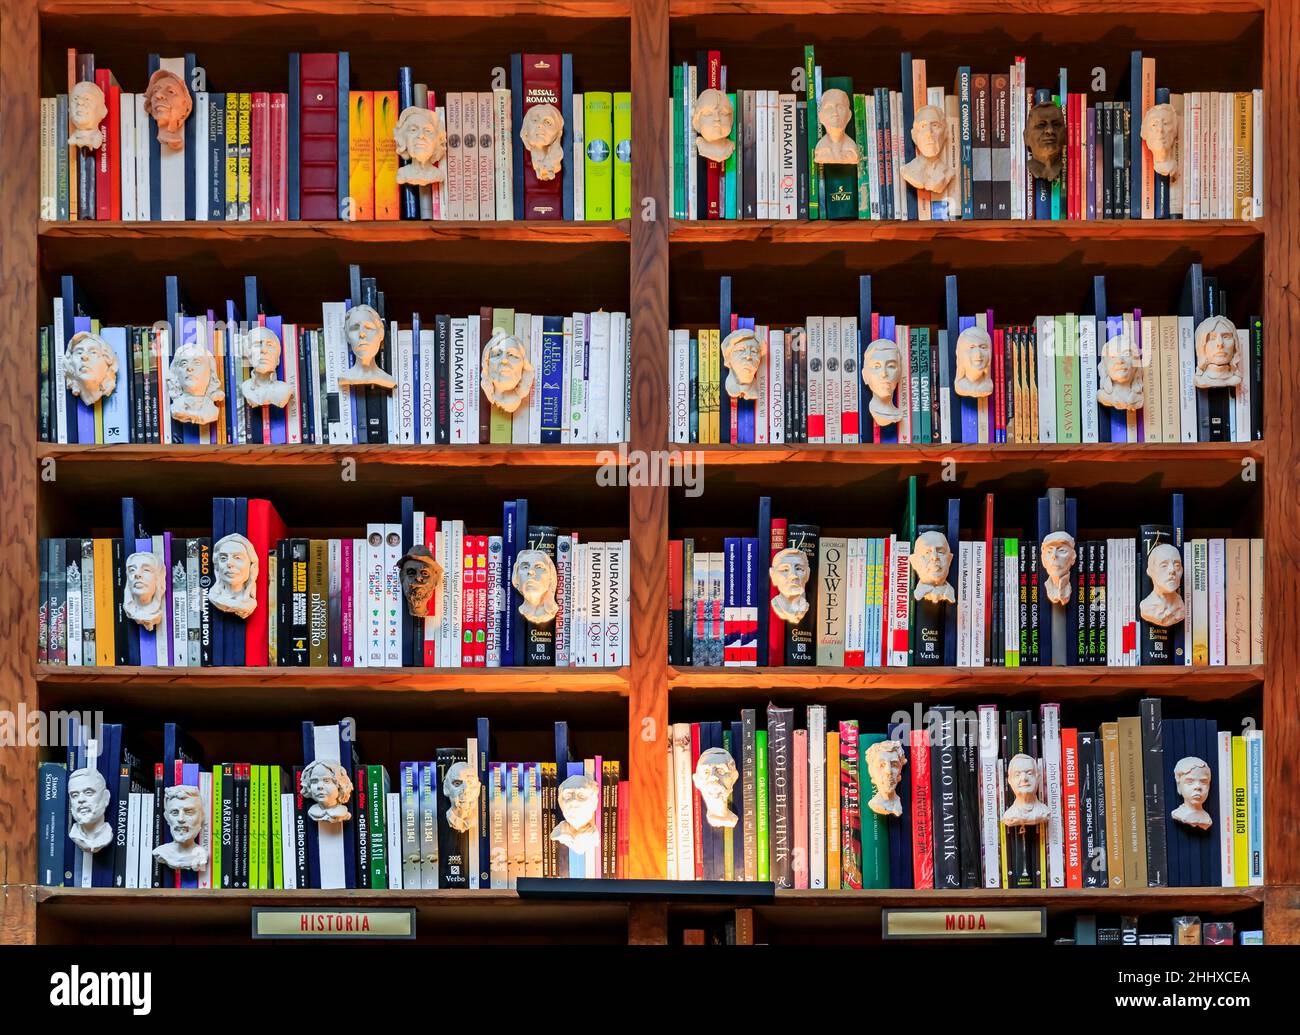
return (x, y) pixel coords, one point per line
(888, 433)
(85, 414)
(1118, 418)
(148, 640)
(345, 590)
(190, 774)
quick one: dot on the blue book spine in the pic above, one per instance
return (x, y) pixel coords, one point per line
(345, 80)
(406, 623)
(68, 287)
(724, 327)
(131, 531)
(191, 165)
(552, 419)
(1177, 836)
(517, 145)
(508, 593)
(52, 822)
(405, 99)
(746, 408)
(1072, 613)
(85, 414)
(909, 148)
(219, 618)
(293, 151)
(888, 332)
(562, 774)
(865, 423)
(1210, 739)
(1117, 419)
(950, 612)
(900, 831)
(749, 588)
(1178, 640)
(731, 597)
(313, 844)
(1135, 136)
(117, 407)
(764, 556)
(970, 413)
(566, 141)
(951, 325)
(188, 335)
(216, 142)
(483, 733)
(108, 763)
(148, 638)
(1044, 524)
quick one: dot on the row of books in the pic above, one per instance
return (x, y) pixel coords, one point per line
(1067, 378)
(256, 829)
(321, 150)
(1183, 930)
(1210, 149)
(1006, 601)
(983, 799)
(580, 388)
(148, 598)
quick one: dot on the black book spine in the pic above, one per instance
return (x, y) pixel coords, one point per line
(1256, 365)
(300, 831)
(968, 810)
(1102, 601)
(362, 814)
(780, 796)
(120, 826)
(1153, 777)
(1035, 612)
(1155, 642)
(453, 845)
(801, 151)
(299, 642)
(801, 636)
(442, 342)
(282, 603)
(159, 873)
(1088, 811)
(539, 637)
(1099, 809)
(1082, 587)
(1022, 842)
(686, 623)
(119, 587)
(227, 825)
(930, 624)
(1022, 577)
(944, 772)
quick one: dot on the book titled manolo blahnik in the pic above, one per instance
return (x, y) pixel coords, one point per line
(780, 722)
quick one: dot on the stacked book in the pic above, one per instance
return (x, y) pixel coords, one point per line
(923, 801)
(320, 150)
(1210, 163)
(328, 602)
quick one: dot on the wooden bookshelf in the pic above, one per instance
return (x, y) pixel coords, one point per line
(665, 274)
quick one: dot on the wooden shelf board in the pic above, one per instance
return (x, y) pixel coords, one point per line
(693, 8)
(369, 232)
(340, 8)
(1005, 230)
(1110, 900)
(1032, 454)
(579, 456)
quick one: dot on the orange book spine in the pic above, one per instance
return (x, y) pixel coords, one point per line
(387, 198)
(361, 154)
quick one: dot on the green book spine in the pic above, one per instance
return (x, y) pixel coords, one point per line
(502, 422)
(255, 827)
(622, 156)
(1011, 553)
(1059, 362)
(277, 830)
(264, 840)
(760, 802)
(814, 130)
(377, 784)
(922, 344)
(841, 180)
(729, 170)
(214, 827)
(679, 147)
(1073, 381)
(598, 128)
(875, 831)
(864, 170)
(1056, 184)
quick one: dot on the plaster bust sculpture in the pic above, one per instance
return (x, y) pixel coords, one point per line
(421, 577)
(461, 788)
(193, 385)
(974, 358)
(713, 121)
(578, 798)
(742, 355)
(929, 169)
(89, 367)
(789, 573)
(420, 138)
(145, 594)
(715, 775)
(86, 110)
(507, 376)
(1218, 361)
(1163, 606)
(329, 786)
(1119, 375)
(234, 586)
(364, 331)
(1192, 780)
(186, 817)
(1026, 810)
(88, 799)
(1160, 134)
(167, 100)
(882, 367)
(885, 761)
(1045, 138)
(1058, 558)
(931, 559)
(541, 132)
(835, 112)
(535, 578)
(262, 350)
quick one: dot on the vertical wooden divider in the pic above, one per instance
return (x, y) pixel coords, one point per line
(648, 694)
(19, 186)
(1282, 466)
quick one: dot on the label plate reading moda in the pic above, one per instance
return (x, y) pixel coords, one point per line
(964, 923)
(327, 922)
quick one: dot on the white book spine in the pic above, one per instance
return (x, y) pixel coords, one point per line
(680, 343)
(596, 598)
(1046, 327)
(850, 356)
(901, 607)
(614, 422)
(681, 739)
(578, 384)
(1257, 155)
(404, 434)
(1088, 376)
(458, 376)
(393, 824)
(201, 155)
(133, 813)
(130, 212)
(205, 795)
(375, 583)
(578, 624)
(990, 796)
(471, 861)
(143, 122)
(579, 185)
(817, 796)
(519, 422)
(692, 90)
(855, 602)
(394, 606)
(774, 154)
(615, 575)
(503, 143)
(761, 403)
(1218, 598)
(535, 412)
(293, 378)
(332, 314)
(776, 386)
(1241, 397)
(428, 415)
(789, 160)
(598, 365)
(145, 877)
(486, 159)
(1191, 158)
(1255, 861)
(331, 842)
(1256, 601)
(566, 384)
(171, 164)
(60, 341)
(963, 603)
(1223, 779)
(74, 609)
(473, 365)
(831, 394)
(816, 381)
(1051, 742)
(626, 547)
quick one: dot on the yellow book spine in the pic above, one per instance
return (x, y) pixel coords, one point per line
(1114, 819)
(245, 155)
(232, 156)
(387, 201)
(502, 423)
(715, 382)
(702, 386)
(361, 154)
(1243, 151)
(105, 631)
(219, 351)
(1240, 797)
(833, 811)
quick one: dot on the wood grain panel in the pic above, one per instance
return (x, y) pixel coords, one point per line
(982, 231)
(266, 234)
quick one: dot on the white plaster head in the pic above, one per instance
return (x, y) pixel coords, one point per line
(541, 132)
(262, 350)
(715, 775)
(420, 137)
(421, 578)
(930, 130)
(1022, 778)
(789, 572)
(1218, 360)
(1058, 554)
(834, 113)
(931, 558)
(88, 798)
(535, 578)
(234, 586)
(1160, 134)
(1192, 780)
(713, 120)
(461, 788)
(167, 100)
(507, 375)
(742, 355)
(882, 369)
(364, 329)
(974, 363)
(146, 582)
(1120, 375)
(329, 786)
(1045, 138)
(186, 818)
(89, 367)
(193, 385)
(885, 761)
(578, 798)
(1163, 606)
(86, 111)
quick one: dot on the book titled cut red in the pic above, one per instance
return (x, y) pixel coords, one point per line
(543, 199)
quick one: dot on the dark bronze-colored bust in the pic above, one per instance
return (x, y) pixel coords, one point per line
(1045, 138)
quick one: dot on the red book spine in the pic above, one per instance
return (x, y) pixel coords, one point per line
(467, 601)
(347, 634)
(697, 816)
(624, 791)
(259, 116)
(1070, 776)
(886, 578)
(543, 199)
(265, 530)
(714, 169)
(279, 148)
(922, 812)
(431, 639)
(318, 153)
(775, 626)
(103, 188)
(989, 570)
(480, 601)
(178, 778)
(114, 137)
(676, 577)
(999, 395)
(799, 860)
